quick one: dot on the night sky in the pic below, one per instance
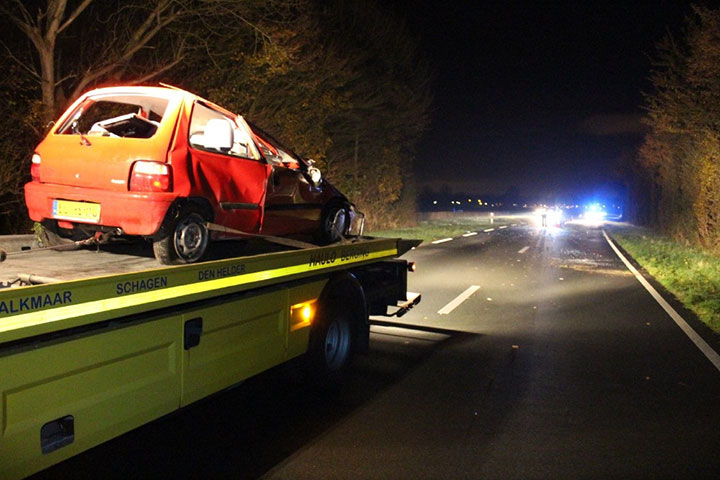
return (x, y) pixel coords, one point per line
(542, 96)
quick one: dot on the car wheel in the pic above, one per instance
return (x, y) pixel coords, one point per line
(50, 236)
(184, 240)
(335, 224)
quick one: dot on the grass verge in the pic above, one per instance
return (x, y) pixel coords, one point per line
(690, 274)
(430, 230)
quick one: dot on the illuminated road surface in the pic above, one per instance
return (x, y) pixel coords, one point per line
(534, 354)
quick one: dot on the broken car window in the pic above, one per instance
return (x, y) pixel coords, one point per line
(274, 151)
(116, 116)
(213, 131)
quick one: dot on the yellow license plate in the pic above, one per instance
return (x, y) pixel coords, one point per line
(78, 211)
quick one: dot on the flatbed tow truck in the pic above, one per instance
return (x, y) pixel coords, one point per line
(94, 344)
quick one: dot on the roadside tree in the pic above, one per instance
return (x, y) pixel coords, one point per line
(680, 154)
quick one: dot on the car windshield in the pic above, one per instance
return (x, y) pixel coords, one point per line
(270, 146)
(130, 116)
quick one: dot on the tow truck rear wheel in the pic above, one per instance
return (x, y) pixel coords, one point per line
(184, 239)
(332, 342)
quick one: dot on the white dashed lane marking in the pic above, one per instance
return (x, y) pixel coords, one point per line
(458, 300)
(442, 240)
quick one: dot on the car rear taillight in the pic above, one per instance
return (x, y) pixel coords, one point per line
(35, 168)
(150, 177)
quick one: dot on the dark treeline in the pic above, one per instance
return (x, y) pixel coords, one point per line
(340, 82)
(677, 176)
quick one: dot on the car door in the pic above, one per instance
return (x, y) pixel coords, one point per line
(228, 168)
(293, 204)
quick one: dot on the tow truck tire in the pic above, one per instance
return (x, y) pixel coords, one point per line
(183, 239)
(49, 236)
(335, 219)
(332, 342)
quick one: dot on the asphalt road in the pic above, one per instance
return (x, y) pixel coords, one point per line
(557, 364)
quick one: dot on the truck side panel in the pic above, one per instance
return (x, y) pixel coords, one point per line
(108, 383)
(243, 337)
(239, 339)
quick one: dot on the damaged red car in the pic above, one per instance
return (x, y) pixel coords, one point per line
(164, 164)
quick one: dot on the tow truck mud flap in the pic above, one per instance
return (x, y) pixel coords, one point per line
(74, 394)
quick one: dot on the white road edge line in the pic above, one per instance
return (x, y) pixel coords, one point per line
(469, 234)
(524, 249)
(489, 230)
(504, 226)
(442, 240)
(706, 349)
(458, 300)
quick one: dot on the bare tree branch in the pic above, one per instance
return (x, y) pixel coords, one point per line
(27, 19)
(24, 65)
(25, 24)
(132, 29)
(55, 12)
(74, 15)
(157, 72)
(66, 77)
(139, 39)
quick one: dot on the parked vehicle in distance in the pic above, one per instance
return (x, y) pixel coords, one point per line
(161, 163)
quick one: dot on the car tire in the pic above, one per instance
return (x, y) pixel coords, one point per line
(183, 239)
(331, 347)
(50, 236)
(335, 223)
